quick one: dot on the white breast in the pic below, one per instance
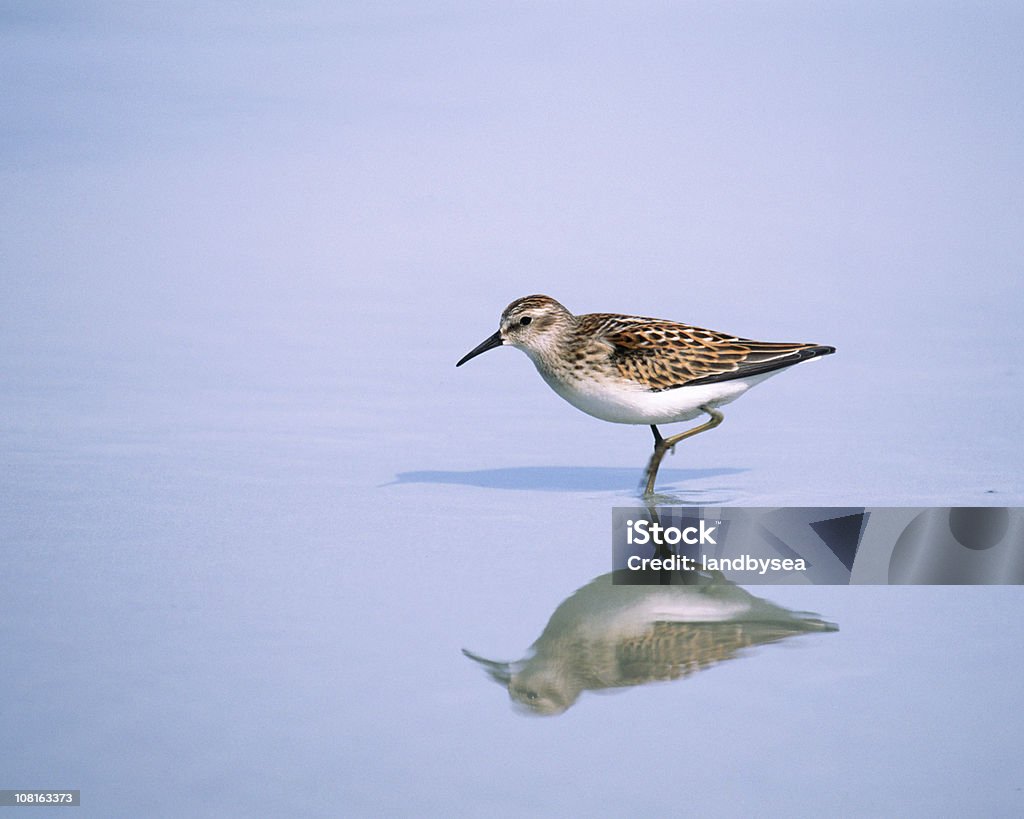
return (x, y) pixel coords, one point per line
(625, 403)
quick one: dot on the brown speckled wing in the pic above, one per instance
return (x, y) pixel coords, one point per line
(669, 651)
(664, 355)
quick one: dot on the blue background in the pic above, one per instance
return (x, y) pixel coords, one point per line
(250, 512)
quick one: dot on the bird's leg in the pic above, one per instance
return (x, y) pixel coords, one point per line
(662, 445)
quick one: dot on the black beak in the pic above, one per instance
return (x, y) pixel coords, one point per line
(499, 672)
(482, 347)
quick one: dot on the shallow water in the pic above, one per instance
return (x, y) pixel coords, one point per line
(252, 514)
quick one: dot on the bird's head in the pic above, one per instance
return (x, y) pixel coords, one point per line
(533, 324)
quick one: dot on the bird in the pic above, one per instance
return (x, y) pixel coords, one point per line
(638, 370)
(607, 636)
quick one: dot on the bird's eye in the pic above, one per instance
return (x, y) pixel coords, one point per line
(525, 320)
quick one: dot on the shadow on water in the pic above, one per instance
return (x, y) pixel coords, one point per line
(557, 478)
(606, 636)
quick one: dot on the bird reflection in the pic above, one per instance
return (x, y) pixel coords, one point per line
(613, 636)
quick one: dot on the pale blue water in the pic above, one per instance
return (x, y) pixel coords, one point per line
(251, 514)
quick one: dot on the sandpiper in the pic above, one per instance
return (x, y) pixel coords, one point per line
(636, 370)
